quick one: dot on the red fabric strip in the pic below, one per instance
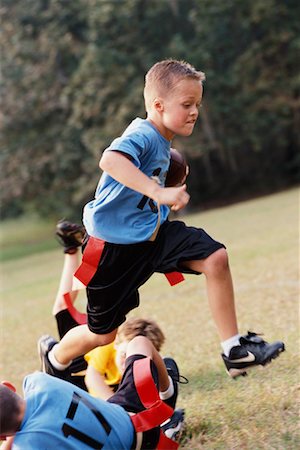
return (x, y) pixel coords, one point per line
(174, 277)
(150, 418)
(144, 383)
(157, 411)
(9, 385)
(90, 260)
(166, 443)
(81, 318)
(85, 272)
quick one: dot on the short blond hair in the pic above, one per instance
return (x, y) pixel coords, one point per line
(141, 327)
(164, 75)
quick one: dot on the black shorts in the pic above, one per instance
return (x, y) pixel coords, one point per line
(113, 290)
(127, 397)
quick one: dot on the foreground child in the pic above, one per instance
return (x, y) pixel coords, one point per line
(131, 237)
(55, 414)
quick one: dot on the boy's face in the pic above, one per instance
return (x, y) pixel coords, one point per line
(180, 108)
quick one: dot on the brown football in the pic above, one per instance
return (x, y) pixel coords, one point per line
(177, 170)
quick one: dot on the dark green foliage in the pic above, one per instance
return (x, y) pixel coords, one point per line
(72, 79)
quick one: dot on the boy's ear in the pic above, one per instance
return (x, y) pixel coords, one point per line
(158, 104)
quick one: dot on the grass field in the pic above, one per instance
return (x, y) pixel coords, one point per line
(260, 411)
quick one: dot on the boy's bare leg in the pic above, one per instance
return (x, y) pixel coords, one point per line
(140, 345)
(220, 291)
(71, 264)
(78, 341)
(96, 383)
(239, 352)
(70, 236)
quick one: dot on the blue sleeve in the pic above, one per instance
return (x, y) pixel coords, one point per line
(135, 145)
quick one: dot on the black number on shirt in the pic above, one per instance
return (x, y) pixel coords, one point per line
(146, 199)
(68, 430)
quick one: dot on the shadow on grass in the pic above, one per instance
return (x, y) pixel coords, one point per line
(200, 429)
(20, 251)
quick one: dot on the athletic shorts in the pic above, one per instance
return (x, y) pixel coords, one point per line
(127, 397)
(122, 269)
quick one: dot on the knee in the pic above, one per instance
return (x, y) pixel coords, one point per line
(102, 339)
(217, 262)
(140, 345)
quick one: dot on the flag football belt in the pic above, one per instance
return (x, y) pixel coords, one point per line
(156, 411)
(90, 261)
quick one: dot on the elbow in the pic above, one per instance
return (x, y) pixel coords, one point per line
(102, 164)
(106, 162)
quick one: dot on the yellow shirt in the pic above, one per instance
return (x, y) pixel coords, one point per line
(103, 360)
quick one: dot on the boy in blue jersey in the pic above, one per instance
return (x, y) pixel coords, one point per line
(128, 219)
(55, 414)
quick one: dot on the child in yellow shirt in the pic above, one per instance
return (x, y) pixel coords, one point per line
(106, 363)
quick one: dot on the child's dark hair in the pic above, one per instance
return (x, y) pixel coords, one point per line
(10, 409)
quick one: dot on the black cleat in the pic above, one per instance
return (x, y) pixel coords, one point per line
(45, 344)
(253, 351)
(174, 426)
(69, 235)
(173, 372)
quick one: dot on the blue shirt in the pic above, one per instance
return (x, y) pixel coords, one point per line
(121, 215)
(60, 416)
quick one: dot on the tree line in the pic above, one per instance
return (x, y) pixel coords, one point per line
(72, 79)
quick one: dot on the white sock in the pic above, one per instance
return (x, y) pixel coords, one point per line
(169, 392)
(229, 343)
(56, 364)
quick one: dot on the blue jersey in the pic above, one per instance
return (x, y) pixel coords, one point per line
(121, 215)
(60, 416)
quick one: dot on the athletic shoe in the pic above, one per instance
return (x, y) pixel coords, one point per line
(174, 426)
(173, 372)
(45, 344)
(253, 351)
(69, 235)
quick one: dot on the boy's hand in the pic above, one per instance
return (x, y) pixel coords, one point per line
(119, 167)
(176, 197)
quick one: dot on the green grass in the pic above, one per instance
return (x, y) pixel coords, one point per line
(25, 236)
(260, 411)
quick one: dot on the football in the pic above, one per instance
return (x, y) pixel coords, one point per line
(178, 169)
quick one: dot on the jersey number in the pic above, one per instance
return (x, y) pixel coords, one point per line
(146, 199)
(68, 430)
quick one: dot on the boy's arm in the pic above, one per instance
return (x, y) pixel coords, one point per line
(119, 167)
(96, 385)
